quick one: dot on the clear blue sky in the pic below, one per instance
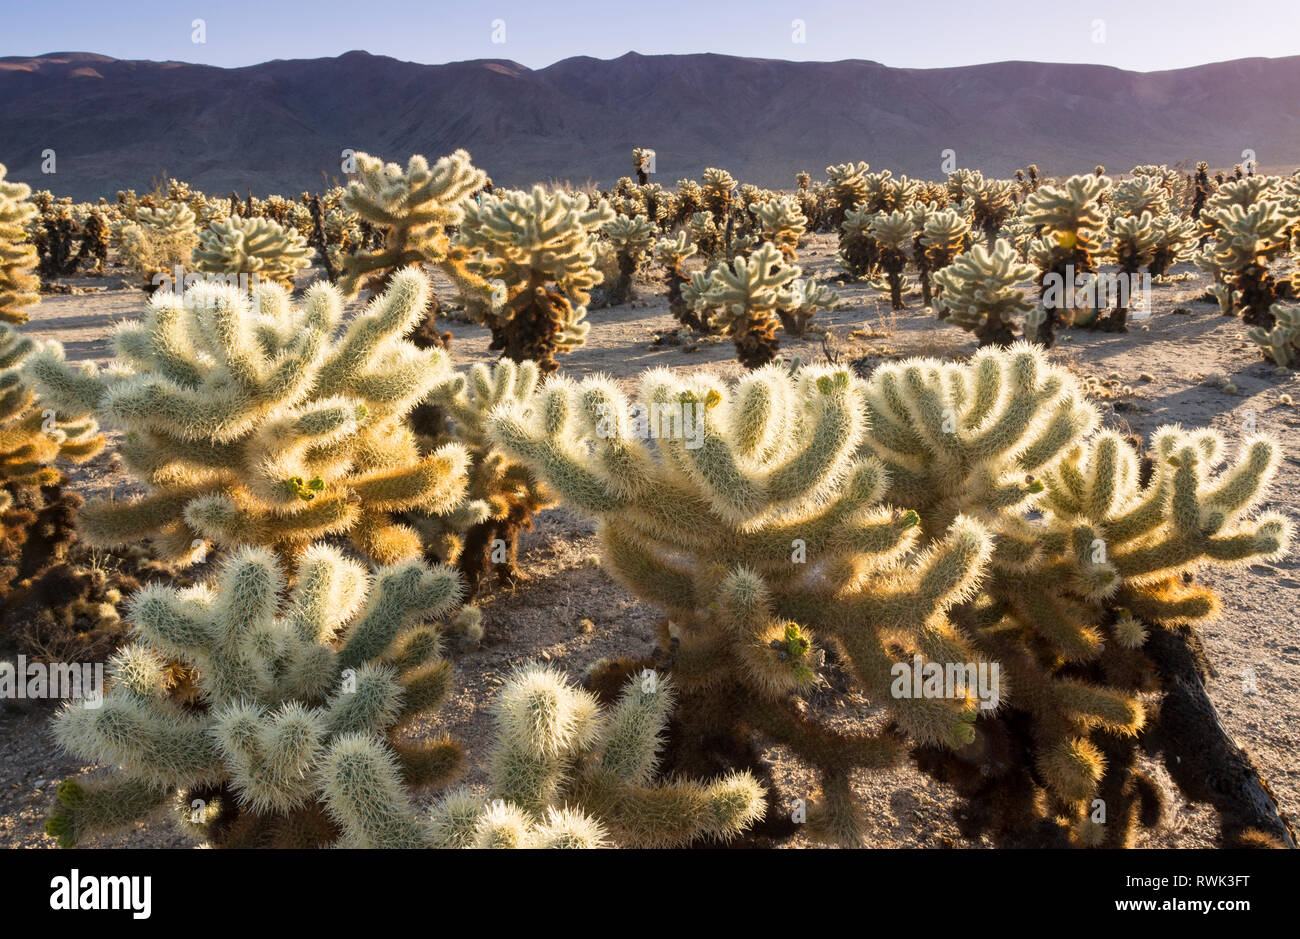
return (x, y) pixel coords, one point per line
(1144, 35)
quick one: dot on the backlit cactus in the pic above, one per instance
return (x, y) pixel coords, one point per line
(159, 241)
(893, 233)
(847, 187)
(1072, 220)
(943, 236)
(672, 253)
(253, 246)
(782, 223)
(248, 422)
(1281, 342)
(507, 490)
(980, 294)
(633, 240)
(807, 297)
(1251, 225)
(282, 688)
(537, 250)
(18, 259)
(744, 297)
(565, 772)
(413, 208)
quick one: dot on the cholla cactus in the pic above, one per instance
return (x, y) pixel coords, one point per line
(1281, 343)
(18, 259)
(745, 295)
(943, 236)
(991, 202)
(893, 233)
(979, 290)
(159, 241)
(782, 224)
(633, 240)
(672, 254)
(706, 235)
(769, 468)
(1145, 193)
(1073, 223)
(1134, 242)
(1247, 240)
(859, 253)
(35, 514)
(253, 246)
(247, 423)
(565, 774)
(807, 297)
(1093, 552)
(509, 493)
(847, 187)
(1175, 242)
(413, 208)
(719, 192)
(285, 691)
(538, 250)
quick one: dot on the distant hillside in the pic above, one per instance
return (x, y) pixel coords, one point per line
(278, 126)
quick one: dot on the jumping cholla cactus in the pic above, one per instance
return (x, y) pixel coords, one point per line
(1073, 224)
(565, 774)
(893, 233)
(991, 202)
(1134, 241)
(847, 183)
(979, 289)
(1094, 551)
(1281, 343)
(286, 695)
(538, 250)
(1248, 238)
(746, 295)
(413, 208)
(859, 253)
(719, 192)
(808, 297)
(1175, 242)
(782, 224)
(801, 540)
(707, 237)
(159, 241)
(248, 423)
(1140, 194)
(672, 254)
(944, 235)
(255, 246)
(18, 258)
(633, 240)
(507, 489)
(769, 465)
(32, 438)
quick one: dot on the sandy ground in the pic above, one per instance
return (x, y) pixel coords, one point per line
(1176, 363)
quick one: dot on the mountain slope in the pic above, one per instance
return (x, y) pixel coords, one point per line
(282, 125)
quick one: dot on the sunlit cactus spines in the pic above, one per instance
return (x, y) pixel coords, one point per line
(979, 292)
(537, 249)
(506, 488)
(1010, 441)
(991, 201)
(281, 685)
(847, 187)
(769, 464)
(158, 241)
(745, 296)
(633, 241)
(248, 421)
(413, 208)
(707, 237)
(1072, 221)
(1176, 242)
(18, 282)
(782, 223)
(1134, 239)
(1247, 240)
(859, 252)
(944, 235)
(719, 191)
(893, 233)
(254, 246)
(1140, 194)
(807, 297)
(565, 773)
(1280, 343)
(672, 254)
